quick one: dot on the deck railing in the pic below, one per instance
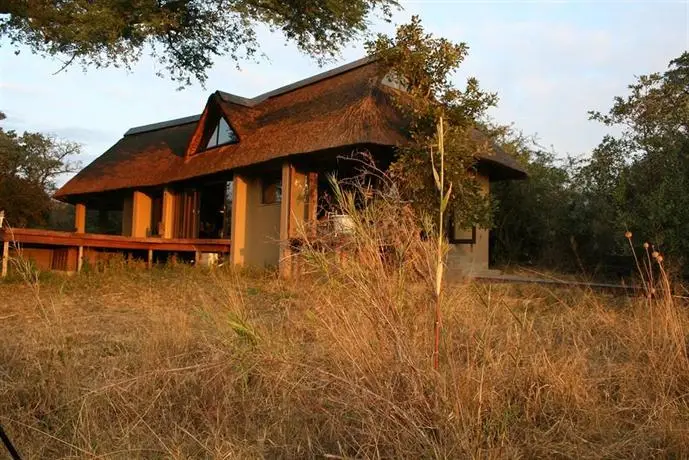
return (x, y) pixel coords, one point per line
(19, 237)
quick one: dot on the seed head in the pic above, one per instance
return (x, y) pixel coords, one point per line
(646, 245)
(655, 254)
(659, 259)
(628, 234)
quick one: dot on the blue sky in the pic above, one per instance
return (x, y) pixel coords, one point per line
(550, 62)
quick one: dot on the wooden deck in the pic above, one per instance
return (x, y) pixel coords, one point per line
(79, 242)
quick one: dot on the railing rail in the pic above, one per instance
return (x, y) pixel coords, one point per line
(98, 241)
(31, 237)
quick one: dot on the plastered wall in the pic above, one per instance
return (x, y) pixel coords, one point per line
(255, 227)
(470, 258)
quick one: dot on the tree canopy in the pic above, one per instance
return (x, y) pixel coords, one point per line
(29, 165)
(425, 66)
(636, 181)
(185, 36)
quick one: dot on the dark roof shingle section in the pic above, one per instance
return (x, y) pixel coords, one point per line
(312, 115)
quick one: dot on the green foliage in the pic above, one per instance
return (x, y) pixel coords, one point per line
(424, 66)
(186, 36)
(635, 181)
(532, 216)
(29, 165)
(650, 159)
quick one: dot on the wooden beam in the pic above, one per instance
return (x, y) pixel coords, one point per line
(80, 218)
(5, 257)
(168, 213)
(89, 240)
(312, 210)
(284, 260)
(80, 258)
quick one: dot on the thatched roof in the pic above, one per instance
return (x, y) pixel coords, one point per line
(347, 106)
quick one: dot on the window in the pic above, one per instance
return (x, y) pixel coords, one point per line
(271, 189)
(222, 134)
(459, 235)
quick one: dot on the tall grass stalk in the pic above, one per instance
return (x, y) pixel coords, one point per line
(444, 198)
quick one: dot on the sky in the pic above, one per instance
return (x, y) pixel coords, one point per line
(550, 62)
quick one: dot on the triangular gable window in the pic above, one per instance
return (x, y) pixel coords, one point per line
(222, 134)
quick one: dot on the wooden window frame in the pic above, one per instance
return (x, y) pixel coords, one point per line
(451, 232)
(265, 181)
(212, 121)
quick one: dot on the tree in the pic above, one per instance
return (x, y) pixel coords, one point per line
(29, 165)
(532, 219)
(424, 66)
(646, 168)
(185, 36)
(577, 210)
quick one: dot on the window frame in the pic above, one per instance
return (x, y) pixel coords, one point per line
(216, 132)
(451, 233)
(268, 181)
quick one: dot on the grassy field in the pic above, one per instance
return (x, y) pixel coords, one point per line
(187, 363)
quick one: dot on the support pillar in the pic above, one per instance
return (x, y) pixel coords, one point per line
(168, 213)
(239, 215)
(80, 258)
(312, 203)
(285, 258)
(5, 257)
(80, 218)
(149, 260)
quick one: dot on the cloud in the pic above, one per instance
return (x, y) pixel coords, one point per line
(84, 135)
(12, 87)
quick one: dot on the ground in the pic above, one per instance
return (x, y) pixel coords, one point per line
(177, 362)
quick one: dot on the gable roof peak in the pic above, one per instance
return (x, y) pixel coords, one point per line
(252, 102)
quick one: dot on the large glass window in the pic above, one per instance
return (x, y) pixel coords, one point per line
(222, 134)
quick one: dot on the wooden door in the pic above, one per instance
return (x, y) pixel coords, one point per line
(188, 213)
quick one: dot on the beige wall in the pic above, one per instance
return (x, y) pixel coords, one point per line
(255, 226)
(136, 215)
(470, 258)
(141, 215)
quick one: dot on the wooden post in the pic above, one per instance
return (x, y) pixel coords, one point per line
(312, 211)
(284, 261)
(168, 213)
(80, 218)
(197, 259)
(149, 261)
(5, 257)
(80, 258)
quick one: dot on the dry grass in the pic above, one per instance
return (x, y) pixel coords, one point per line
(186, 363)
